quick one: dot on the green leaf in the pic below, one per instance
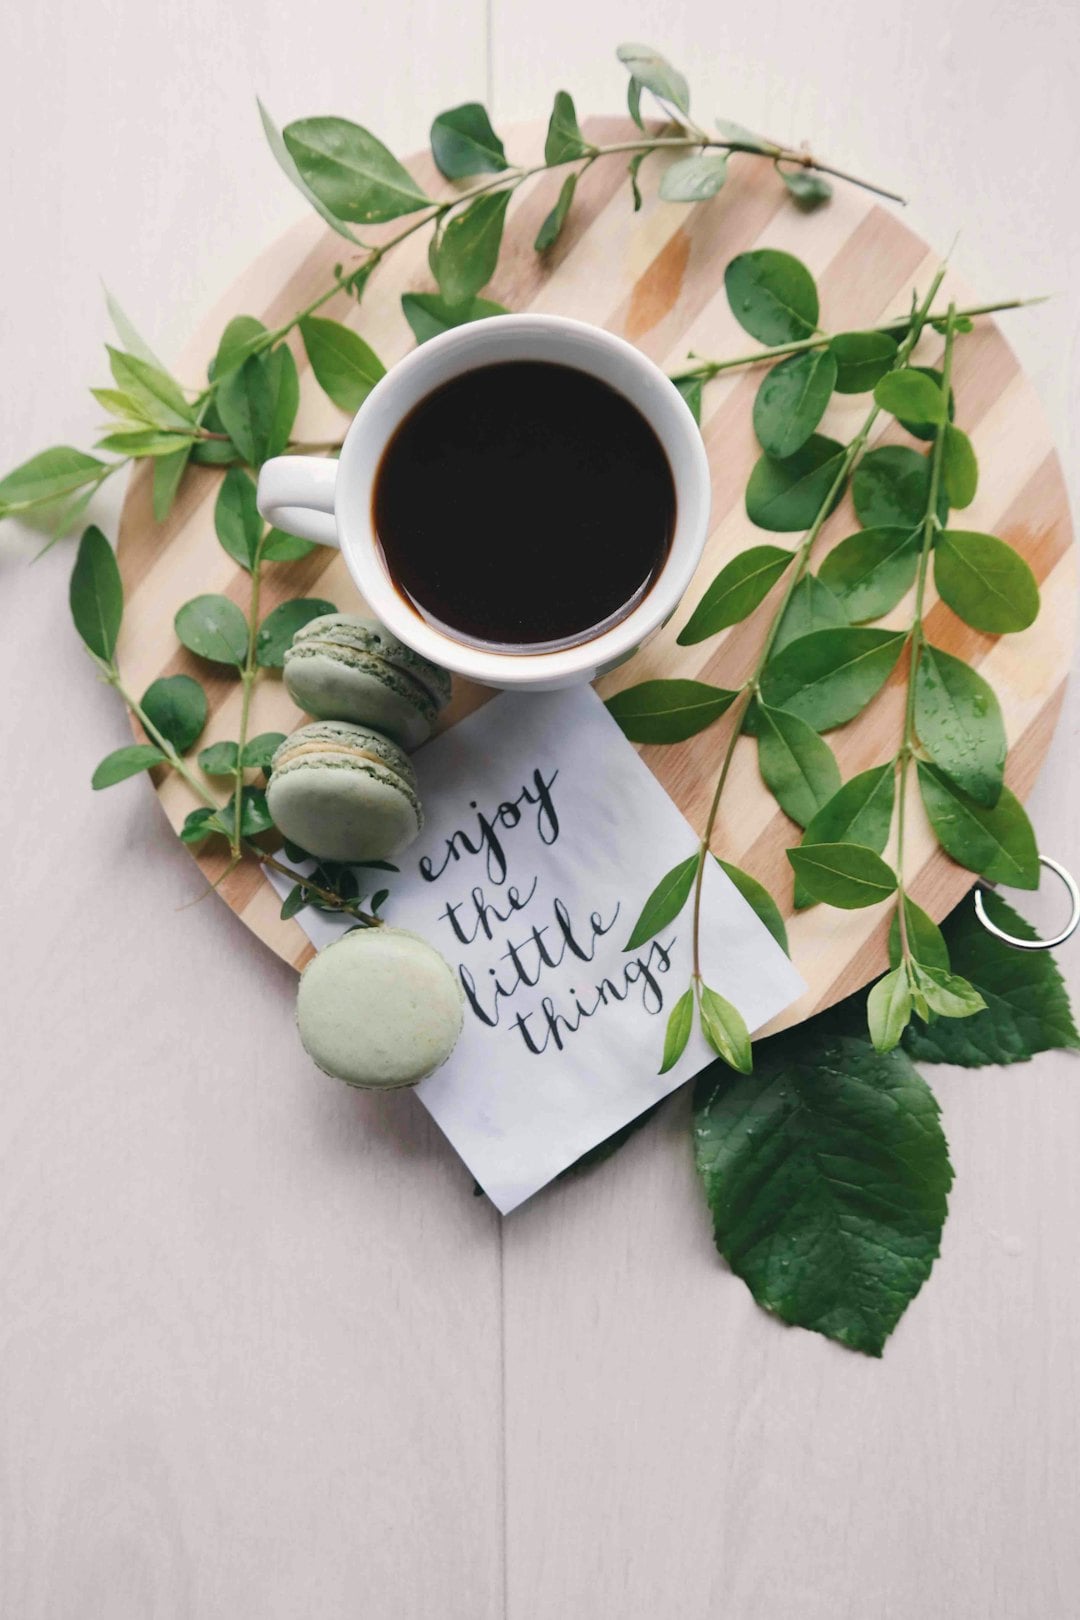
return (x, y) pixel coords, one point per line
(808, 189)
(278, 628)
(144, 442)
(668, 711)
(827, 1177)
(168, 472)
(946, 993)
(911, 396)
(680, 1023)
(959, 723)
(872, 570)
(861, 359)
(959, 467)
(772, 296)
(551, 229)
(759, 900)
(564, 139)
(654, 72)
(664, 903)
(999, 843)
(1027, 1006)
(724, 1027)
(214, 452)
(158, 398)
(125, 762)
(429, 314)
(927, 431)
(350, 171)
(739, 587)
(468, 249)
(797, 767)
(294, 901)
(48, 476)
(243, 337)
(985, 582)
(891, 488)
(258, 402)
(214, 628)
(828, 677)
(925, 940)
(811, 606)
(791, 401)
(694, 179)
(289, 168)
(888, 1009)
(96, 594)
(176, 706)
(255, 817)
(743, 137)
(633, 105)
(260, 750)
(345, 368)
(846, 875)
(787, 495)
(632, 170)
(463, 143)
(281, 547)
(860, 812)
(236, 518)
(691, 390)
(127, 334)
(220, 759)
(198, 824)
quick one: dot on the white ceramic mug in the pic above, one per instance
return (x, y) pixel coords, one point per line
(331, 501)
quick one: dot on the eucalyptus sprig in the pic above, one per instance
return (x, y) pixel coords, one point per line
(245, 410)
(819, 663)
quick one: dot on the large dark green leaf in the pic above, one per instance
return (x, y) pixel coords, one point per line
(861, 358)
(1027, 1006)
(350, 171)
(985, 581)
(860, 812)
(176, 706)
(787, 495)
(345, 367)
(739, 587)
(829, 676)
(665, 902)
(463, 143)
(959, 723)
(959, 467)
(791, 401)
(846, 875)
(213, 628)
(668, 711)
(872, 570)
(468, 249)
(257, 403)
(429, 314)
(827, 1176)
(96, 595)
(278, 628)
(891, 487)
(772, 295)
(796, 765)
(999, 843)
(236, 518)
(912, 396)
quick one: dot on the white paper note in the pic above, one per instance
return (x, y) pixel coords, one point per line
(544, 835)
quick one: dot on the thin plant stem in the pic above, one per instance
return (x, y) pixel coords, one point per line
(247, 681)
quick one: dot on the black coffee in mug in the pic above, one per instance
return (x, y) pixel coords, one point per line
(524, 506)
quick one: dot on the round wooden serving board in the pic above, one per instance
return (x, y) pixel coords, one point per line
(656, 277)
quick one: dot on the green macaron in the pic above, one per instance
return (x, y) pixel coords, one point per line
(343, 667)
(344, 793)
(379, 1008)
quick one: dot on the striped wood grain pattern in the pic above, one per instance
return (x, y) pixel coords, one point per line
(657, 278)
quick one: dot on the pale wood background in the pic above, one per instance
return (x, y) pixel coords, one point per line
(263, 1357)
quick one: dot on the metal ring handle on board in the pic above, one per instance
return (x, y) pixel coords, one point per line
(1034, 944)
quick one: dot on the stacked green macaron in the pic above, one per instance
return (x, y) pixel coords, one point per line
(344, 667)
(344, 792)
(379, 1008)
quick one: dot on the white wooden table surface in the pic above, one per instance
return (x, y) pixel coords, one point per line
(263, 1355)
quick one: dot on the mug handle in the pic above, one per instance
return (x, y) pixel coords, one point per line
(296, 493)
